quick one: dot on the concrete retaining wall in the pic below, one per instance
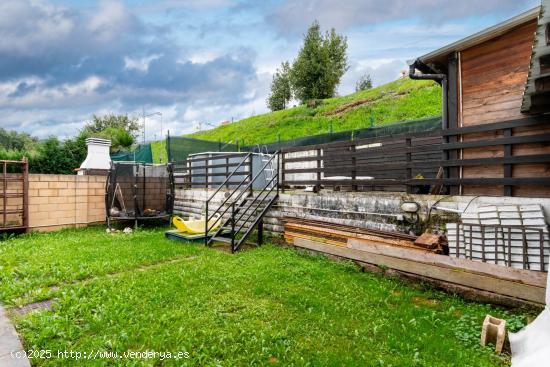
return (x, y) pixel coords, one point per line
(378, 210)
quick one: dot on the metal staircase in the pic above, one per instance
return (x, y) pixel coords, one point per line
(244, 207)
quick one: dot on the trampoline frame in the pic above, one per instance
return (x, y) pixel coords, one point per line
(111, 186)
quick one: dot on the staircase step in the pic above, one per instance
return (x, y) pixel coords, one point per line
(221, 239)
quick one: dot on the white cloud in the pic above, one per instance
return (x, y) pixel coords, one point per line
(41, 96)
(29, 28)
(203, 56)
(140, 64)
(111, 20)
(291, 17)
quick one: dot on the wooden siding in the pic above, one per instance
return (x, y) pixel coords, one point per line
(493, 77)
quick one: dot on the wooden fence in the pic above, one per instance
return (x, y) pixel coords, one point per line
(386, 164)
(510, 158)
(14, 201)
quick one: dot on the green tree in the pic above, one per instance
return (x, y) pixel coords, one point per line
(120, 138)
(281, 92)
(102, 123)
(12, 140)
(120, 129)
(320, 64)
(52, 158)
(364, 83)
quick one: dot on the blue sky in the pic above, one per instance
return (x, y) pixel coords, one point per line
(199, 60)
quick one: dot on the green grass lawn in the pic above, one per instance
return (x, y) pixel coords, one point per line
(158, 150)
(267, 306)
(400, 100)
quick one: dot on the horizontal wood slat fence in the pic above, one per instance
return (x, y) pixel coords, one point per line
(381, 164)
(500, 147)
(413, 162)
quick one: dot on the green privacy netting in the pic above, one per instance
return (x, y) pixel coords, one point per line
(180, 147)
(142, 153)
(397, 128)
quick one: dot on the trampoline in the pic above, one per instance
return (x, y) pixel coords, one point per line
(139, 191)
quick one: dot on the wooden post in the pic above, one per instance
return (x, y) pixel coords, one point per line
(452, 119)
(25, 161)
(354, 169)
(408, 169)
(5, 194)
(282, 171)
(508, 190)
(318, 185)
(227, 171)
(206, 164)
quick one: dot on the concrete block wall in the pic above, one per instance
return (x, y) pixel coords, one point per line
(375, 210)
(58, 201)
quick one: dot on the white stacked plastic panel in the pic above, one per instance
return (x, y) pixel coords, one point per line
(483, 235)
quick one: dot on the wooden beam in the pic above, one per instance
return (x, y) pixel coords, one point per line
(507, 168)
(452, 116)
(534, 278)
(434, 269)
(484, 181)
(527, 121)
(523, 139)
(535, 158)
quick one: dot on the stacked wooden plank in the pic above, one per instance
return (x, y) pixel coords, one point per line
(398, 252)
(493, 282)
(339, 235)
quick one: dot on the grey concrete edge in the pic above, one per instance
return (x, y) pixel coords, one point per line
(11, 349)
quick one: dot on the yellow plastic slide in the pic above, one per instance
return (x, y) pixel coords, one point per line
(195, 226)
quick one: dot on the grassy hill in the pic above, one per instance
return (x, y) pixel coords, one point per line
(401, 100)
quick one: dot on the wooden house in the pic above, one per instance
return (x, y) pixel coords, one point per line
(496, 101)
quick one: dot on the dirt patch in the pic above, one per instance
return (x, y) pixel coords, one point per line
(361, 102)
(348, 106)
(42, 305)
(425, 301)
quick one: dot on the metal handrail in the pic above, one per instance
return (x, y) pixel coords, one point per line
(254, 178)
(243, 190)
(258, 195)
(234, 200)
(257, 206)
(227, 199)
(228, 177)
(207, 218)
(258, 219)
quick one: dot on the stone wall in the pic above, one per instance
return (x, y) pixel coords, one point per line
(376, 210)
(58, 201)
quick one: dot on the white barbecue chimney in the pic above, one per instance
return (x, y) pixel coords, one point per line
(98, 157)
